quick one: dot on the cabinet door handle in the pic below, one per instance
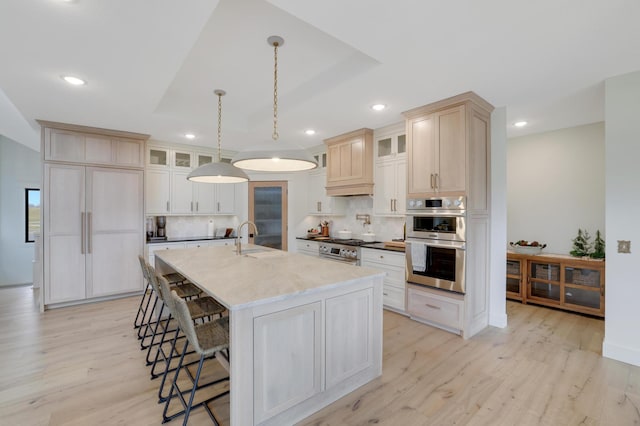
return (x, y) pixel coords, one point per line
(197, 206)
(319, 206)
(395, 205)
(192, 206)
(437, 181)
(167, 207)
(90, 231)
(432, 306)
(82, 236)
(218, 205)
(432, 187)
(385, 294)
(391, 204)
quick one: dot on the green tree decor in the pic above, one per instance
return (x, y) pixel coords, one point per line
(598, 247)
(581, 244)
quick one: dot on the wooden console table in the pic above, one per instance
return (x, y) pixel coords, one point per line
(556, 280)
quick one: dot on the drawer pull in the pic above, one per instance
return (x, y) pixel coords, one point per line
(385, 294)
(568, 294)
(432, 306)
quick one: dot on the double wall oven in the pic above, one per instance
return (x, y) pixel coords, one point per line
(436, 242)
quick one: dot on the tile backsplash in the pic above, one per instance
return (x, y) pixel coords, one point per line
(197, 226)
(385, 228)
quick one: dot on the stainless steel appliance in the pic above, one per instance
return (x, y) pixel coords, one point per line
(345, 251)
(436, 218)
(436, 242)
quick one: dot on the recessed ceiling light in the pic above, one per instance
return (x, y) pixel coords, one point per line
(309, 132)
(520, 123)
(74, 80)
(190, 136)
(378, 107)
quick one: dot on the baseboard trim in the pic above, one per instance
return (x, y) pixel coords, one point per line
(15, 285)
(621, 353)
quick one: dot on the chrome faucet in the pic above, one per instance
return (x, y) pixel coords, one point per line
(239, 238)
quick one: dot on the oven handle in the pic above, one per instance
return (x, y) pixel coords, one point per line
(439, 243)
(436, 213)
(340, 260)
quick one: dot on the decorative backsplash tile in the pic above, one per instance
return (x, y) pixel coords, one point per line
(385, 228)
(197, 226)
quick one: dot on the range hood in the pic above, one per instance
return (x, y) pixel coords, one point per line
(350, 164)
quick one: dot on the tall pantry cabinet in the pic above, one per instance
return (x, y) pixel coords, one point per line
(93, 213)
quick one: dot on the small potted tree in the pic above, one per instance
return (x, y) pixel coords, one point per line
(581, 244)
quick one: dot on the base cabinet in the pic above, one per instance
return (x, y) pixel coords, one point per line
(444, 310)
(310, 248)
(557, 281)
(394, 287)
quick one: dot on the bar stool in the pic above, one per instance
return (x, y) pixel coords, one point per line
(185, 290)
(203, 307)
(209, 340)
(143, 315)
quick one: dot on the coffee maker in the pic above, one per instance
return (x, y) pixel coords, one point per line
(161, 223)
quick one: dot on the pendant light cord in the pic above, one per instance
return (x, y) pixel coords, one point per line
(275, 92)
(219, 127)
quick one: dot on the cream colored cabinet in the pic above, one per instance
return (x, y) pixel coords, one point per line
(157, 192)
(448, 150)
(93, 216)
(93, 223)
(393, 263)
(74, 146)
(444, 310)
(280, 380)
(390, 190)
(152, 248)
(169, 192)
(437, 153)
(350, 163)
(307, 247)
(319, 203)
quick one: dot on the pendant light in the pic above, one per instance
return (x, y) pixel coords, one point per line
(278, 159)
(217, 171)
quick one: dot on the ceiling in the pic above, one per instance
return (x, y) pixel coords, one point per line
(152, 65)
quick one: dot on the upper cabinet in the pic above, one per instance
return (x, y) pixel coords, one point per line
(390, 152)
(447, 149)
(169, 192)
(77, 144)
(350, 163)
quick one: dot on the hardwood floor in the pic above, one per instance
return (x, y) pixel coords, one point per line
(82, 366)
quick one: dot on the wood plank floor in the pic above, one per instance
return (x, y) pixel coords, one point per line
(82, 366)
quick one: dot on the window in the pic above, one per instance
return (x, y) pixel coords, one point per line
(32, 213)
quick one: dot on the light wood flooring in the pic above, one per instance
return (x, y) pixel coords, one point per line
(82, 366)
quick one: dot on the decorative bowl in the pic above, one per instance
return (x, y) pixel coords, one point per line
(527, 249)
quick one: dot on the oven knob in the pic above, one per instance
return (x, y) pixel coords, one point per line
(412, 203)
(457, 203)
(447, 203)
(353, 254)
(419, 203)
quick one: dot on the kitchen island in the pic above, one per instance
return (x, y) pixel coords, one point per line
(303, 331)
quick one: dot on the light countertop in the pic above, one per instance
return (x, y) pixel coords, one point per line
(260, 277)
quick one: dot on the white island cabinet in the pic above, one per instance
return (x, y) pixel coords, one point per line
(304, 331)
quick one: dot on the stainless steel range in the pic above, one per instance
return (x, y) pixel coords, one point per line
(345, 251)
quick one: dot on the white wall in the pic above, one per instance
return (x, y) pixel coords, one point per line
(622, 108)
(555, 185)
(498, 267)
(19, 169)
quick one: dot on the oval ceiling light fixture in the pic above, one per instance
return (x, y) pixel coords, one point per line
(520, 123)
(278, 158)
(378, 107)
(74, 81)
(189, 136)
(218, 172)
(309, 132)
